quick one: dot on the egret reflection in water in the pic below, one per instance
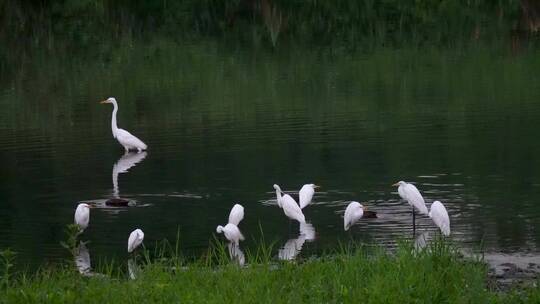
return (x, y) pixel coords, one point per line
(292, 247)
(236, 253)
(124, 163)
(82, 261)
(133, 269)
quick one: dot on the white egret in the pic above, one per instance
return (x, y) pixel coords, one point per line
(411, 194)
(136, 238)
(278, 194)
(82, 216)
(236, 215)
(353, 213)
(231, 231)
(126, 139)
(439, 215)
(289, 206)
(306, 194)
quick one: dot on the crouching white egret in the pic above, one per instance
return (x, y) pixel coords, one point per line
(126, 139)
(231, 231)
(306, 194)
(353, 213)
(82, 216)
(439, 215)
(289, 206)
(136, 238)
(411, 194)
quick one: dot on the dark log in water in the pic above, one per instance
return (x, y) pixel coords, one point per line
(370, 214)
(117, 202)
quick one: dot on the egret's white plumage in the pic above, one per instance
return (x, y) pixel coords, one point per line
(231, 232)
(236, 215)
(411, 194)
(278, 195)
(306, 194)
(439, 215)
(135, 239)
(291, 208)
(126, 139)
(353, 213)
(82, 216)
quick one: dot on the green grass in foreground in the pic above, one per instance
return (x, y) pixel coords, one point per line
(438, 274)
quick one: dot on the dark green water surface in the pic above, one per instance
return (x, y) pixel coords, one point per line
(224, 124)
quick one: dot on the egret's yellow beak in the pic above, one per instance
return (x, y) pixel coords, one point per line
(103, 101)
(316, 186)
(396, 184)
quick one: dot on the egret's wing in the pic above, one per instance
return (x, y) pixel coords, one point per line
(415, 198)
(440, 217)
(82, 216)
(292, 209)
(131, 241)
(236, 215)
(232, 233)
(126, 138)
(353, 213)
(305, 196)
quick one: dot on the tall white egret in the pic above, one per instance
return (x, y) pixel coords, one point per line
(353, 213)
(136, 238)
(411, 194)
(82, 216)
(278, 194)
(231, 231)
(306, 194)
(439, 215)
(126, 139)
(290, 207)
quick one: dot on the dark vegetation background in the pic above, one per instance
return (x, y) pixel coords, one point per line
(350, 24)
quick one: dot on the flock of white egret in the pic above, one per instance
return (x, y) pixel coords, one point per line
(291, 208)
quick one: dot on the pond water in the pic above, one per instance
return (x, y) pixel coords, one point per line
(223, 124)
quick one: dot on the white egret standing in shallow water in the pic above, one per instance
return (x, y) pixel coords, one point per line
(306, 194)
(82, 216)
(136, 238)
(439, 215)
(231, 231)
(353, 213)
(289, 206)
(126, 139)
(411, 194)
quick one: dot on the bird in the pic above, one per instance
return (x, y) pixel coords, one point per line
(411, 194)
(353, 213)
(136, 238)
(278, 194)
(126, 139)
(231, 231)
(289, 206)
(439, 215)
(306, 194)
(82, 216)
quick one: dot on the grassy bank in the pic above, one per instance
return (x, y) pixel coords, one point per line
(435, 275)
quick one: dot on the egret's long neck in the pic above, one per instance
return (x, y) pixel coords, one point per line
(278, 196)
(114, 127)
